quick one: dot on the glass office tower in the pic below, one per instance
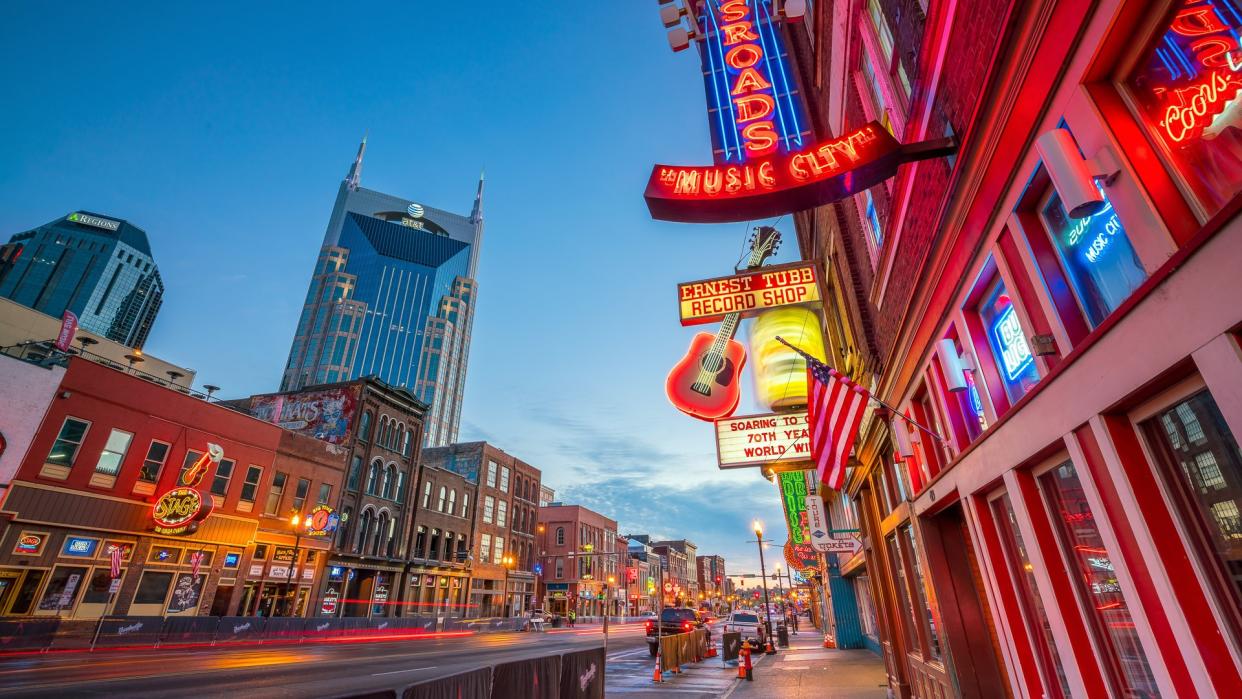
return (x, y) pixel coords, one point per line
(392, 295)
(99, 268)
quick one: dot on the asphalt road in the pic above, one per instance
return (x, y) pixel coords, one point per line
(306, 670)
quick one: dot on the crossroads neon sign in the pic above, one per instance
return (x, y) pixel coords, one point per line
(766, 161)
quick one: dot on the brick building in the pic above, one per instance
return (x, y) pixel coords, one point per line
(580, 557)
(196, 496)
(1055, 304)
(680, 555)
(443, 529)
(711, 575)
(502, 559)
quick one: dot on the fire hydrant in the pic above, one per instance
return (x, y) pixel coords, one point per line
(744, 668)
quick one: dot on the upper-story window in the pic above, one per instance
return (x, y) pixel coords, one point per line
(426, 494)
(68, 441)
(504, 479)
(874, 229)
(364, 427)
(1014, 360)
(452, 502)
(560, 536)
(1097, 257)
(465, 504)
(1185, 88)
(114, 452)
(441, 500)
(491, 474)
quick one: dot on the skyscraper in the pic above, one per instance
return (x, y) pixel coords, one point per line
(392, 295)
(99, 268)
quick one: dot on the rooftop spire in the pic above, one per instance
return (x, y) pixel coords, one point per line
(354, 178)
(476, 214)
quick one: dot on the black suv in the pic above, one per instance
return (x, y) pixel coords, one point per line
(674, 621)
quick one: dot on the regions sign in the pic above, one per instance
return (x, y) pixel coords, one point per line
(324, 415)
(754, 440)
(710, 300)
(778, 184)
(97, 222)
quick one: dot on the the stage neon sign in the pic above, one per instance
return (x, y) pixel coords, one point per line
(753, 102)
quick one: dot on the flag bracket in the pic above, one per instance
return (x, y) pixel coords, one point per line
(870, 396)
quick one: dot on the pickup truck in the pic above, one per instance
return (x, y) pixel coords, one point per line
(746, 623)
(673, 621)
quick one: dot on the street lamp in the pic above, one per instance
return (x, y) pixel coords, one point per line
(294, 521)
(508, 562)
(763, 576)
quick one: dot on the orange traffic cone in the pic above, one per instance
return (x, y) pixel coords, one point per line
(658, 676)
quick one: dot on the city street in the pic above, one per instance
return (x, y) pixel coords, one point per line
(293, 670)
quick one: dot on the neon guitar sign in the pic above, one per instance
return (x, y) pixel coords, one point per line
(705, 383)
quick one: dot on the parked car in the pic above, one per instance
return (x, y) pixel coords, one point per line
(673, 621)
(746, 623)
(648, 616)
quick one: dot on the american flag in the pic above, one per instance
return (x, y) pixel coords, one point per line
(117, 554)
(835, 412)
(196, 560)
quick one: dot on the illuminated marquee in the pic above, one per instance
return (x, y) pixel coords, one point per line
(755, 440)
(779, 183)
(178, 511)
(709, 300)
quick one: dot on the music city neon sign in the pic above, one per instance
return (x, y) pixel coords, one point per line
(766, 161)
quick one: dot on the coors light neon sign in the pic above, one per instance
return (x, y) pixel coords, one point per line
(767, 162)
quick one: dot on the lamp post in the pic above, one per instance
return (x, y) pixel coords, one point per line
(295, 520)
(763, 576)
(607, 603)
(507, 561)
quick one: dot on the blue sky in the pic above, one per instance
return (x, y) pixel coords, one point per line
(224, 129)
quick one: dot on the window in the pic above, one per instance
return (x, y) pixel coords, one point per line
(1023, 574)
(1014, 359)
(1097, 257)
(434, 551)
(420, 542)
(114, 452)
(873, 221)
(153, 463)
(224, 473)
(560, 536)
(1199, 455)
(383, 431)
(390, 481)
(499, 550)
(364, 427)
(373, 476)
(928, 618)
(485, 548)
(504, 479)
(250, 488)
(153, 588)
(1183, 87)
(440, 501)
(448, 547)
(325, 493)
(1097, 581)
(68, 441)
(299, 494)
(491, 474)
(452, 502)
(465, 504)
(401, 486)
(273, 494)
(489, 509)
(502, 511)
(560, 568)
(190, 458)
(355, 473)
(342, 530)
(426, 494)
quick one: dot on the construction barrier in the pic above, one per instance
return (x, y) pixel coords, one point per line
(476, 683)
(731, 646)
(582, 674)
(535, 678)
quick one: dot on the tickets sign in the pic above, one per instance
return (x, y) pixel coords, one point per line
(710, 300)
(755, 440)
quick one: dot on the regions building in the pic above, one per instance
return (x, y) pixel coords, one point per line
(392, 295)
(97, 267)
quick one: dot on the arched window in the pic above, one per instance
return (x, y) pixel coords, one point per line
(401, 486)
(440, 500)
(390, 481)
(373, 475)
(398, 437)
(364, 427)
(560, 536)
(366, 528)
(405, 446)
(426, 494)
(465, 504)
(381, 533)
(452, 506)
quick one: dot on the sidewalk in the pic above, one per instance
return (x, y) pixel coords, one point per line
(806, 669)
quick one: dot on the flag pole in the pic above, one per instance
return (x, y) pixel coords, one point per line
(871, 396)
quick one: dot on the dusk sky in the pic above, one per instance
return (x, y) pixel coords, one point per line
(224, 130)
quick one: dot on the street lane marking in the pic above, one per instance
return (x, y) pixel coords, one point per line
(395, 672)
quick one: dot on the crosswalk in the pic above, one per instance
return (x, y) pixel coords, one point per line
(629, 673)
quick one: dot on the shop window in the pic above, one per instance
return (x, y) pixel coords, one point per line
(1185, 86)
(153, 588)
(1023, 573)
(114, 452)
(1199, 455)
(25, 597)
(62, 588)
(68, 441)
(907, 610)
(97, 588)
(927, 618)
(1097, 257)
(224, 474)
(153, 462)
(1096, 581)
(1014, 359)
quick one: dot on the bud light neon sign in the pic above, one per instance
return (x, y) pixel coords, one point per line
(1015, 353)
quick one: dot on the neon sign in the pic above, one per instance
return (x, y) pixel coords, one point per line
(753, 104)
(1015, 353)
(1199, 105)
(178, 511)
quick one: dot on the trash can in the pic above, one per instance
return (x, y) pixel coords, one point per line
(782, 635)
(558, 621)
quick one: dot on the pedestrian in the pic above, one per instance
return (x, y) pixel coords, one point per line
(572, 617)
